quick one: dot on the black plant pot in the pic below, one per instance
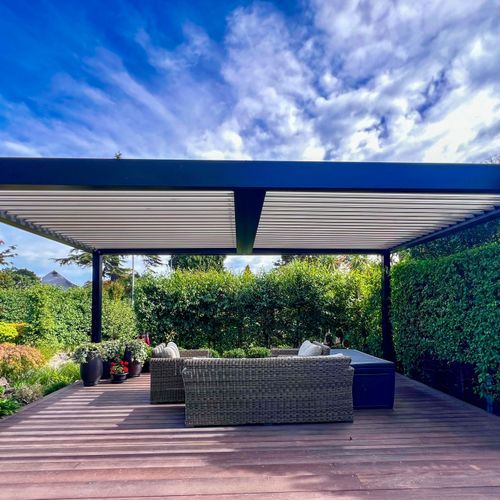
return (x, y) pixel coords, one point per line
(134, 369)
(106, 370)
(118, 378)
(127, 356)
(91, 372)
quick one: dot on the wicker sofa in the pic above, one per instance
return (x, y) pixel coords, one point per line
(267, 390)
(166, 376)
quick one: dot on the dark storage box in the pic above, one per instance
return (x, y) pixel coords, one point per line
(373, 385)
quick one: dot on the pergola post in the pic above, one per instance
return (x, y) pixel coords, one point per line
(387, 340)
(96, 296)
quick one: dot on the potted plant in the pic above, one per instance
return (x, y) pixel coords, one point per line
(111, 350)
(89, 357)
(119, 370)
(136, 353)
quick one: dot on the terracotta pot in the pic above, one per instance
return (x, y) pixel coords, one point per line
(118, 378)
(91, 372)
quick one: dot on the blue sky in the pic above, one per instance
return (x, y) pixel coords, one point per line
(327, 80)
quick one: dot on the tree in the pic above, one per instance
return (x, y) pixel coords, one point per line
(18, 278)
(6, 254)
(113, 265)
(333, 262)
(197, 262)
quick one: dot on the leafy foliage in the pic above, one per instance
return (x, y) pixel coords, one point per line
(113, 265)
(112, 350)
(258, 352)
(461, 241)
(27, 393)
(18, 278)
(8, 406)
(234, 353)
(6, 254)
(448, 308)
(293, 302)
(8, 332)
(137, 349)
(58, 317)
(85, 352)
(197, 262)
(18, 359)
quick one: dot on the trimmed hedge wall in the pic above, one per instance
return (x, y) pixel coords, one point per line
(282, 307)
(447, 309)
(56, 316)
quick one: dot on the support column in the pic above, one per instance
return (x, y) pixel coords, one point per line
(387, 340)
(96, 297)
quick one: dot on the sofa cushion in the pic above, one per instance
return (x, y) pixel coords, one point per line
(311, 350)
(325, 350)
(303, 348)
(174, 347)
(157, 351)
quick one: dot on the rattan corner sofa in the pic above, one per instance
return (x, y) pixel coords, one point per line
(271, 390)
(166, 376)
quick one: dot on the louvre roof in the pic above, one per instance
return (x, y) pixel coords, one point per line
(148, 206)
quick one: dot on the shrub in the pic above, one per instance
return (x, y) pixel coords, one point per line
(8, 332)
(285, 306)
(62, 317)
(52, 378)
(8, 406)
(112, 350)
(138, 350)
(85, 352)
(447, 308)
(118, 320)
(26, 394)
(258, 352)
(18, 359)
(234, 353)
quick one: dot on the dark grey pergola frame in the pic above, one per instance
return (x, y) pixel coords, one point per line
(249, 181)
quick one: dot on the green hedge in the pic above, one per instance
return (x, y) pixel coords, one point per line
(63, 317)
(447, 308)
(285, 306)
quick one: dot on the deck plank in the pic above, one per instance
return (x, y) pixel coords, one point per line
(109, 442)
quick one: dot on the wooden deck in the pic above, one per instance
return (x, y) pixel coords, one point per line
(108, 441)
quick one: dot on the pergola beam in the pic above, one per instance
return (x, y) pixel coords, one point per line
(96, 327)
(387, 339)
(247, 209)
(98, 174)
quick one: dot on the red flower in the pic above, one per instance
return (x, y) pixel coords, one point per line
(125, 370)
(125, 363)
(113, 364)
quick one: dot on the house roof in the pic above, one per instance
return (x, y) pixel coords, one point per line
(56, 279)
(188, 206)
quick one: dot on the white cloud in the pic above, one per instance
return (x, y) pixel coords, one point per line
(345, 80)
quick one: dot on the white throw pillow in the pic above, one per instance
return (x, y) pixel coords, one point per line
(170, 352)
(173, 346)
(303, 348)
(314, 350)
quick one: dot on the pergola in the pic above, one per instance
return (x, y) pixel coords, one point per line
(244, 207)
